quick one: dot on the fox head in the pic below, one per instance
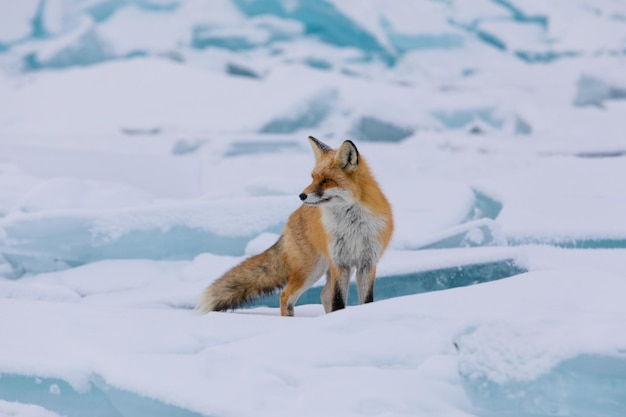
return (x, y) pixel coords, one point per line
(335, 175)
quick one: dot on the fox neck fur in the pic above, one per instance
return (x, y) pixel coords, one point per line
(353, 234)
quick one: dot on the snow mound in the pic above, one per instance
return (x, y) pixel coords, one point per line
(382, 351)
(572, 363)
(75, 194)
(372, 129)
(307, 115)
(53, 240)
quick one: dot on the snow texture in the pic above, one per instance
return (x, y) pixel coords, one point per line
(148, 146)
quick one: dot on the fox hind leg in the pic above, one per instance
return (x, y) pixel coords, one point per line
(296, 285)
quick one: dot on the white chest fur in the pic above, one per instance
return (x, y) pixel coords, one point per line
(354, 232)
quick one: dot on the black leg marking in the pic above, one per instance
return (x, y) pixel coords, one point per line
(338, 303)
(369, 298)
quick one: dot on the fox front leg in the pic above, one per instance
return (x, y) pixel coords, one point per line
(325, 296)
(335, 292)
(365, 279)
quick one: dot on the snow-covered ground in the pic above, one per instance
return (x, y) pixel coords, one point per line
(146, 146)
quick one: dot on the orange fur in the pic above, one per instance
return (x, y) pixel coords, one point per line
(345, 224)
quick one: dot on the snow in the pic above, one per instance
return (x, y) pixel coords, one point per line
(14, 409)
(146, 147)
(16, 20)
(76, 194)
(395, 345)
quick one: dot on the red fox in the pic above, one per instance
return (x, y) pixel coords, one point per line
(344, 225)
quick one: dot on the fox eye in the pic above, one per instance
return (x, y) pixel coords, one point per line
(326, 180)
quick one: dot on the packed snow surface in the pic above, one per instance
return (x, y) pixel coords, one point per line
(147, 146)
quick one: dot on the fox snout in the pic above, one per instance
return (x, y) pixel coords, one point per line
(315, 198)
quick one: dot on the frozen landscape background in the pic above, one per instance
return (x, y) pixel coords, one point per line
(146, 146)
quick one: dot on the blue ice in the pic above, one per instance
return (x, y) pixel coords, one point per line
(99, 400)
(593, 91)
(585, 385)
(416, 282)
(322, 20)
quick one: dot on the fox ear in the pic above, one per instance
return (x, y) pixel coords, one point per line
(347, 156)
(318, 147)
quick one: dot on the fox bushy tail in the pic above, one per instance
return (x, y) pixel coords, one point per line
(256, 276)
